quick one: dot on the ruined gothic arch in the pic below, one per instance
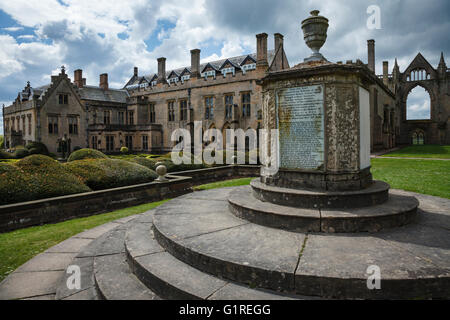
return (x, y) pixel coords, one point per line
(407, 88)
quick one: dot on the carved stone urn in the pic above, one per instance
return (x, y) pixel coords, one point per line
(315, 34)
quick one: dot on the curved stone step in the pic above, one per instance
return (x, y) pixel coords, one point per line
(326, 265)
(171, 278)
(377, 193)
(397, 211)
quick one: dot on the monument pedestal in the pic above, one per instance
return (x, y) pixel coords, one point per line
(322, 113)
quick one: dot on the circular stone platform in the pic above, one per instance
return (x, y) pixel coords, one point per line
(199, 230)
(395, 211)
(377, 193)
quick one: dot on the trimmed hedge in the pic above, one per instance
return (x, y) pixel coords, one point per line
(37, 177)
(37, 148)
(5, 155)
(86, 154)
(21, 153)
(101, 174)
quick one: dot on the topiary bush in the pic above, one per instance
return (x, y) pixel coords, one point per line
(37, 148)
(37, 177)
(146, 162)
(86, 154)
(101, 174)
(5, 155)
(124, 150)
(21, 153)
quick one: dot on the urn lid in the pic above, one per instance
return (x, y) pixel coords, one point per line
(314, 18)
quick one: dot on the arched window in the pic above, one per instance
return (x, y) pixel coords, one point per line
(418, 138)
(418, 105)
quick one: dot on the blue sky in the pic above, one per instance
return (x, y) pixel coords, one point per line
(37, 37)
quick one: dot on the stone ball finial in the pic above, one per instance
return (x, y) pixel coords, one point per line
(161, 170)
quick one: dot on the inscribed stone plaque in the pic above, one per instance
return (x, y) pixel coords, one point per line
(301, 125)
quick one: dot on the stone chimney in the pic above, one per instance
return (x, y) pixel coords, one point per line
(136, 71)
(371, 54)
(104, 81)
(386, 73)
(78, 78)
(195, 63)
(84, 82)
(162, 70)
(261, 49)
(278, 40)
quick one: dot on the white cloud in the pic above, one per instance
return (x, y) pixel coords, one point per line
(84, 34)
(13, 29)
(418, 104)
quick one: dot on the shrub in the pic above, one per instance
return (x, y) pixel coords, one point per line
(86, 154)
(37, 177)
(21, 153)
(124, 150)
(37, 148)
(2, 142)
(5, 155)
(146, 162)
(101, 174)
(76, 148)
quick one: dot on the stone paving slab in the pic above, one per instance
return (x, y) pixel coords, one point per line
(109, 243)
(214, 194)
(249, 253)
(115, 280)
(98, 231)
(88, 294)
(140, 241)
(39, 298)
(87, 278)
(236, 292)
(167, 274)
(204, 219)
(336, 266)
(72, 245)
(47, 262)
(20, 285)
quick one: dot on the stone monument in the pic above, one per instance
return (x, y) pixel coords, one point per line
(322, 113)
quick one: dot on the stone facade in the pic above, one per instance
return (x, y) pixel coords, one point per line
(221, 94)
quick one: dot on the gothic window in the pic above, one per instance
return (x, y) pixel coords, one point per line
(94, 141)
(229, 106)
(29, 125)
(106, 117)
(152, 113)
(144, 142)
(246, 105)
(63, 99)
(53, 125)
(73, 125)
(121, 117)
(183, 110)
(171, 110)
(129, 142)
(418, 104)
(109, 143)
(209, 108)
(130, 117)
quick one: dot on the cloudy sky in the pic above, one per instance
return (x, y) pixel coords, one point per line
(38, 36)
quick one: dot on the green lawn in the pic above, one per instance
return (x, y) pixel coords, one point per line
(425, 151)
(422, 176)
(17, 247)
(223, 184)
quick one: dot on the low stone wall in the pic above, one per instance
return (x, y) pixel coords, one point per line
(26, 214)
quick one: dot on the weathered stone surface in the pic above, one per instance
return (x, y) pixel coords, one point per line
(47, 262)
(237, 292)
(115, 281)
(248, 253)
(377, 193)
(109, 243)
(140, 241)
(20, 285)
(42, 298)
(86, 266)
(72, 245)
(201, 217)
(98, 231)
(336, 266)
(173, 279)
(88, 294)
(397, 211)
